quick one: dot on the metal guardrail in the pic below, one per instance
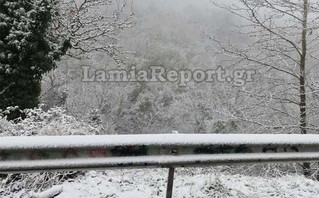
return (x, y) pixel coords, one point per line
(25, 154)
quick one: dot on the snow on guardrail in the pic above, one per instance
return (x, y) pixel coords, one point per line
(23, 154)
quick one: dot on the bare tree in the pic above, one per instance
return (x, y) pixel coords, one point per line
(91, 25)
(282, 41)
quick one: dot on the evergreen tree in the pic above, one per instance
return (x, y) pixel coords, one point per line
(27, 51)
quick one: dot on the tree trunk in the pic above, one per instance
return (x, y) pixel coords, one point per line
(303, 99)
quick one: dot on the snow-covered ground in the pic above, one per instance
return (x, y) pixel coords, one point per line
(189, 183)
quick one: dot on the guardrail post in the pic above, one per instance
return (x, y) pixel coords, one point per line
(170, 182)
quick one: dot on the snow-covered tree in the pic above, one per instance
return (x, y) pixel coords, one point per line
(282, 46)
(91, 25)
(27, 51)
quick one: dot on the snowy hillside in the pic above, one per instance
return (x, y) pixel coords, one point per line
(189, 183)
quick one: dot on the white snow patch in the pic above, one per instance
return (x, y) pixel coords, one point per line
(152, 184)
(50, 193)
(167, 139)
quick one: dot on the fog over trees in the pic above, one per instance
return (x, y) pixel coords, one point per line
(182, 35)
(187, 35)
(171, 34)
